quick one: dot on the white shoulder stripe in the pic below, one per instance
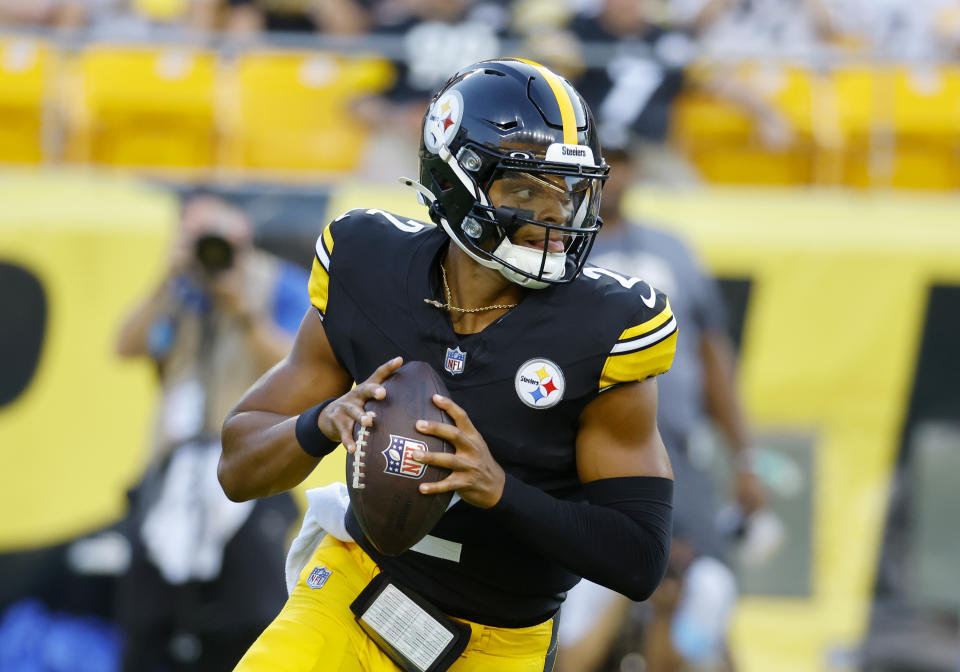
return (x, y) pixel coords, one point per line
(322, 254)
(653, 337)
(345, 214)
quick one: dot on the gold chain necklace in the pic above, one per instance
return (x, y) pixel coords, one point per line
(449, 306)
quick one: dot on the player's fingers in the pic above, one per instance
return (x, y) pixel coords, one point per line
(385, 370)
(369, 390)
(346, 435)
(448, 484)
(345, 416)
(439, 459)
(458, 415)
(442, 430)
(351, 410)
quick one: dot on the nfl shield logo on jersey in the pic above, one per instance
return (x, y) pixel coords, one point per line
(318, 577)
(399, 457)
(455, 360)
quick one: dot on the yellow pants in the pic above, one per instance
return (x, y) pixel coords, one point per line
(316, 631)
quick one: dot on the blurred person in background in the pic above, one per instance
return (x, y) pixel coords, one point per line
(905, 30)
(437, 37)
(36, 13)
(633, 91)
(334, 17)
(758, 28)
(684, 625)
(206, 573)
(130, 19)
(653, 58)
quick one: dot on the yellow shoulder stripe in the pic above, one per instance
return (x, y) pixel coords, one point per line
(328, 239)
(319, 286)
(637, 365)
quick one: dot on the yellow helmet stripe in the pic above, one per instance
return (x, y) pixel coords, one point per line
(567, 116)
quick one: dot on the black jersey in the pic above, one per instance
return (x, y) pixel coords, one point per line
(523, 380)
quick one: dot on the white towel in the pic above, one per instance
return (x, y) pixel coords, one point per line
(326, 508)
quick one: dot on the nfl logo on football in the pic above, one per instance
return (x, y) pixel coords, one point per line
(318, 577)
(399, 457)
(455, 360)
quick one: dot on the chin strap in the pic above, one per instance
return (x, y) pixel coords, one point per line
(529, 259)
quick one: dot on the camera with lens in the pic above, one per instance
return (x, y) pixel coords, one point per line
(214, 253)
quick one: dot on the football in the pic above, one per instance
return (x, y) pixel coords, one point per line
(382, 479)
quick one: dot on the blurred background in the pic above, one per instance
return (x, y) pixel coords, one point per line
(809, 150)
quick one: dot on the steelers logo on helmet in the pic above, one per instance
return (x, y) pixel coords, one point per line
(539, 383)
(443, 121)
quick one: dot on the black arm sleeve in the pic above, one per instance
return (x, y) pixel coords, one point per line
(619, 537)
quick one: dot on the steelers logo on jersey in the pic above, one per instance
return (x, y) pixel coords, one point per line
(443, 121)
(539, 383)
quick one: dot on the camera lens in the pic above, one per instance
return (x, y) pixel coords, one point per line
(214, 253)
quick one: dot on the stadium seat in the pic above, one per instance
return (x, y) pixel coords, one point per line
(926, 101)
(290, 111)
(142, 107)
(26, 75)
(900, 126)
(722, 139)
(860, 99)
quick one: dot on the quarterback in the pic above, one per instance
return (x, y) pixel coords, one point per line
(559, 470)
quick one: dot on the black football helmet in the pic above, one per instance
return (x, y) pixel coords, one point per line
(514, 129)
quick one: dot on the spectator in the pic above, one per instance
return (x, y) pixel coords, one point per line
(337, 17)
(600, 628)
(129, 19)
(38, 13)
(206, 573)
(634, 90)
(438, 36)
(759, 28)
(658, 56)
(902, 30)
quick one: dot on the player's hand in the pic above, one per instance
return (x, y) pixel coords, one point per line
(476, 476)
(337, 419)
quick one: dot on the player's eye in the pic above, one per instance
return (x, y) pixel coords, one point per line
(523, 194)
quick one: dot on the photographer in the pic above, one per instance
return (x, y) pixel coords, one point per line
(206, 573)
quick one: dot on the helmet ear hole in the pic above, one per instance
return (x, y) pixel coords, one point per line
(472, 228)
(469, 159)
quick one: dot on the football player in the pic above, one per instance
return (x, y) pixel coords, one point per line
(559, 469)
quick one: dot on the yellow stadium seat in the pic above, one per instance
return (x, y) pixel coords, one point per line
(926, 101)
(142, 107)
(900, 126)
(701, 119)
(906, 165)
(861, 101)
(26, 74)
(926, 165)
(789, 89)
(722, 139)
(290, 111)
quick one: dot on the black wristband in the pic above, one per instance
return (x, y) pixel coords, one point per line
(314, 442)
